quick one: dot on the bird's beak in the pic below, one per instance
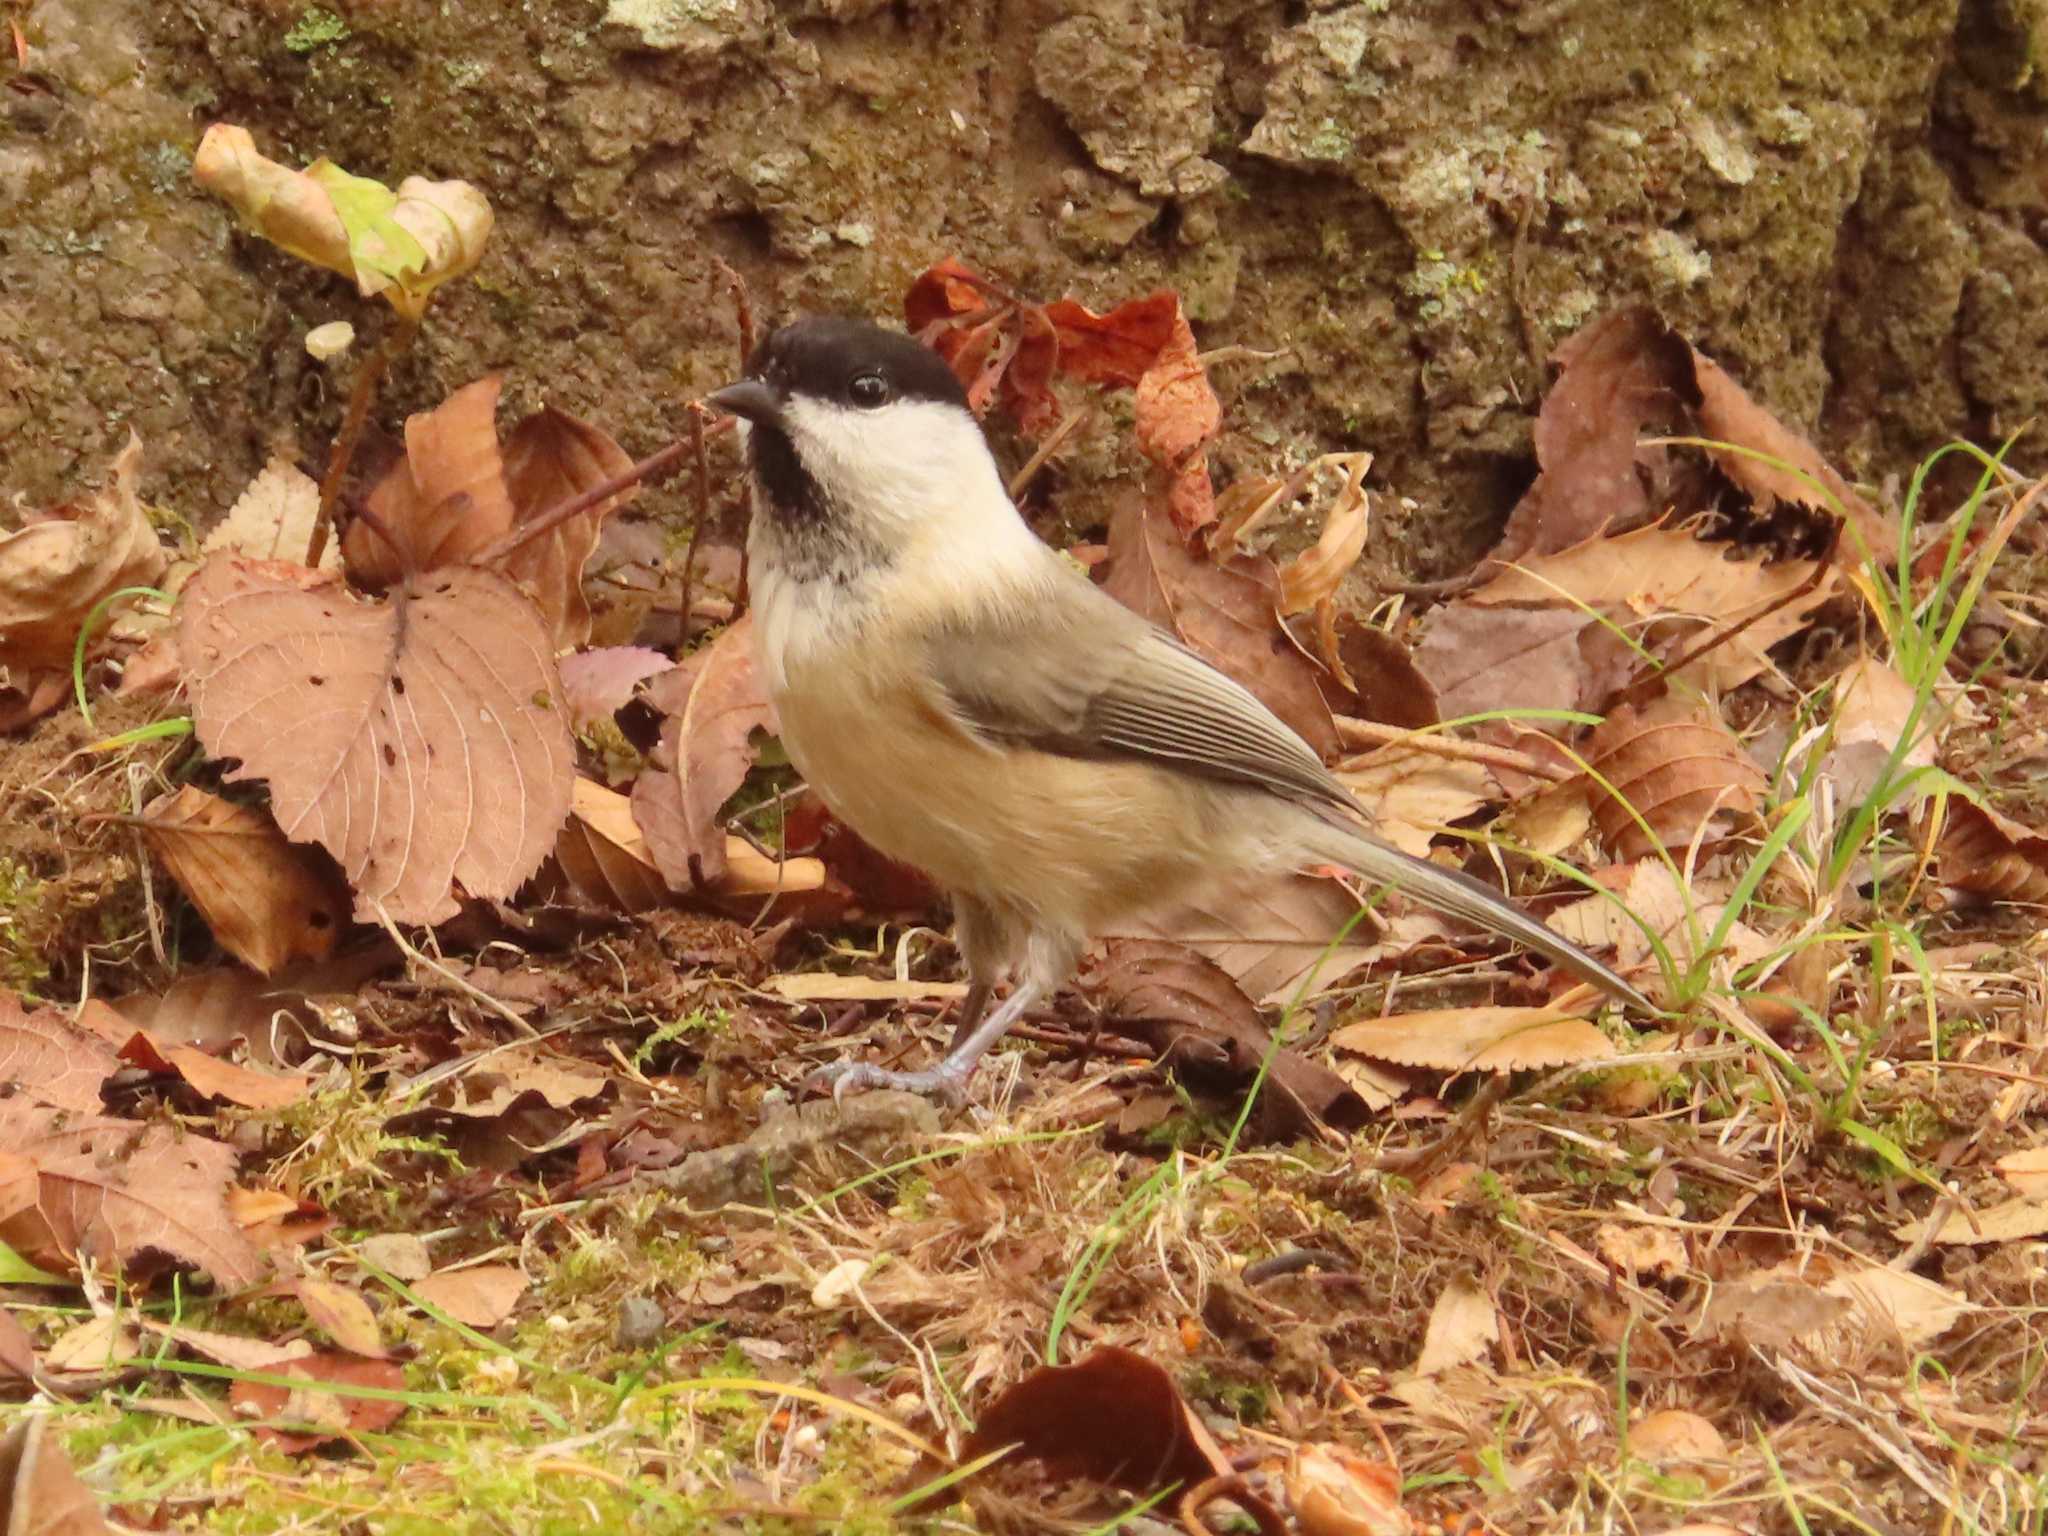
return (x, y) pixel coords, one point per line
(750, 398)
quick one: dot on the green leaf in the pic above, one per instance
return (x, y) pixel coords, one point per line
(15, 1270)
(376, 242)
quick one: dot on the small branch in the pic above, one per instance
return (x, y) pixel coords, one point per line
(1370, 733)
(743, 309)
(368, 377)
(583, 501)
(703, 515)
(1054, 441)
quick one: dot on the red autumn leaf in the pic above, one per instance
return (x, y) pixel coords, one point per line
(307, 1417)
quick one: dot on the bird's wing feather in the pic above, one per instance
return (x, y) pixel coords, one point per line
(1095, 680)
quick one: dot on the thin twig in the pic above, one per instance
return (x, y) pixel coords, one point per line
(1054, 441)
(703, 514)
(1370, 733)
(368, 377)
(468, 988)
(743, 309)
(514, 538)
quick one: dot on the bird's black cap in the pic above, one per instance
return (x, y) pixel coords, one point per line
(821, 356)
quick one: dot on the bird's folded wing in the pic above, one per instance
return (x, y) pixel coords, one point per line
(1129, 693)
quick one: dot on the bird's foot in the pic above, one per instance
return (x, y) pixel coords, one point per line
(945, 1082)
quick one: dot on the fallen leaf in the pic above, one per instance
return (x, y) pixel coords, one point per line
(1311, 578)
(1189, 1010)
(17, 1353)
(1477, 1039)
(1642, 1253)
(2009, 1222)
(400, 1255)
(44, 1056)
(273, 518)
(444, 501)
(223, 1006)
(55, 570)
(119, 1191)
(597, 684)
(494, 1086)
(481, 1296)
(102, 1342)
(1772, 462)
(1463, 1326)
(1987, 852)
(602, 854)
(549, 457)
(208, 1075)
(823, 987)
(1873, 705)
(1681, 917)
(1409, 794)
(1371, 675)
(229, 1349)
(839, 1282)
(1615, 374)
(1335, 1492)
(2026, 1172)
(417, 739)
(1669, 775)
(266, 900)
(706, 750)
(1480, 658)
(343, 1313)
(1223, 612)
(1275, 936)
(401, 244)
(39, 1493)
(1674, 1434)
(1114, 1417)
(301, 1418)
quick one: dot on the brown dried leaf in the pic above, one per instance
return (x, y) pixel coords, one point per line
(1113, 1417)
(481, 1296)
(1986, 851)
(1669, 590)
(1676, 765)
(1727, 414)
(1370, 674)
(444, 501)
(1191, 1012)
(299, 1419)
(273, 518)
(1479, 659)
(44, 1056)
(266, 900)
(1313, 576)
(1477, 1039)
(119, 1190)
(706, 749)
(1271, 934)
(1617, 372)
(417, 739)
(343, 1313)
(597, 684)
(39, 1493)
(207, 1074)
(603, 856)
(17, 1355)
(2026, 1172)
(1411, 795)
(53, 571)
(1673, 1434)
(1872, 706)
(1463, 1325)
(1223, 612)
(1642, 1253)
(2008, 1222)
(550, 457)
(1335, 1492)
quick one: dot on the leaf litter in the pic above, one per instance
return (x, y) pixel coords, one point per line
(1672, 1190)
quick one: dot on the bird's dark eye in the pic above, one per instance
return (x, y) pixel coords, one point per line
(869, 390)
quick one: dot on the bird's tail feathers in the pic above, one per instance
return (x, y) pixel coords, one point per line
(1456, 893)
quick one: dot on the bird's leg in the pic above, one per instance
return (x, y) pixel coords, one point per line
(948, 1080)
(972, 1007)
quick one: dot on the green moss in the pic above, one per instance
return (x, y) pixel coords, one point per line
(315, 28)
(23, 966)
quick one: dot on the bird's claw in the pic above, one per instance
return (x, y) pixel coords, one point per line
(949, 1087)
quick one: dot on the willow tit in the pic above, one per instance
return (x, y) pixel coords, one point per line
(972, 705)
